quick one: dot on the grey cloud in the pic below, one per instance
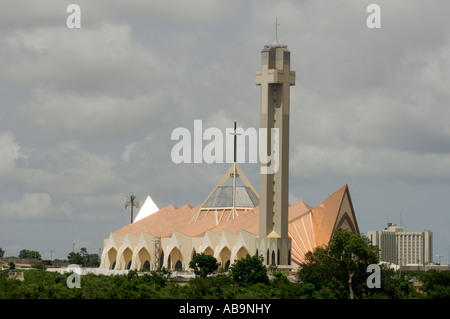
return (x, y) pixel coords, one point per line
(101, 116)
(33, 206)
(96, 107)
(103, 59)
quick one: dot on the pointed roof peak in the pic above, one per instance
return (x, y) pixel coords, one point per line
(230, 197)
(147, 209)
(325, 215)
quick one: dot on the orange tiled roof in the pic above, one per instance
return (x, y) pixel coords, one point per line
(325, 214)
(308, 227)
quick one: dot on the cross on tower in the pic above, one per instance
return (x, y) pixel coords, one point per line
(235, 142)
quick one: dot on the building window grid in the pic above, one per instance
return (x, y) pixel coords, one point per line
(403, 248)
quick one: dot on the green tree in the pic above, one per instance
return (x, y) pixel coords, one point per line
(204, 265)
(436, 284)
(2, 252)
(84, 258)
(93, 260)
(38, 265)
(394, 285)
(132, 202)
(30, 254)
(75, 258)
(354, 253)
(249, 270)
(341, 264)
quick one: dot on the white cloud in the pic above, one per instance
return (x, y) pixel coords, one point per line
(128, 151)
(33, 206)
(105, 58)
(72, 169)
(9, 152)
(29, 12)
(181, 12)
(67, 168)
(22, 13)
(373, 162)
(100, 116)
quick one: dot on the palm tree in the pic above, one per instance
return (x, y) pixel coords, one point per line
(132, 202)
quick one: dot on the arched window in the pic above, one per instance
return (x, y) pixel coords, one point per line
(273, 257)
(278, 257)
(112, 255)
(143, 256)
(178, 265)
(227, 265)
(125, 259)
(267, 259)
(146, 266)
(209, 251)
(161, 260)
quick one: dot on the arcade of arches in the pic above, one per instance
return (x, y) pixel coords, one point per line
(142, 245)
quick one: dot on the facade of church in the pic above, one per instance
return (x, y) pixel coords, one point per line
(233, 220)
(172, 236)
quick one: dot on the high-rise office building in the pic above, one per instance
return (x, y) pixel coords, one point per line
(403, 248)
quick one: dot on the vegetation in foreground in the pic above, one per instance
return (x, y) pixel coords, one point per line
(334, 272)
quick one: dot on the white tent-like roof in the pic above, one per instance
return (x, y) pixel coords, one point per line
(147, 209)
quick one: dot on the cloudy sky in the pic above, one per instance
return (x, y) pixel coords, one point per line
(86, 115)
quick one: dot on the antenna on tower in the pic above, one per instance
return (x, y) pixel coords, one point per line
(276, 32)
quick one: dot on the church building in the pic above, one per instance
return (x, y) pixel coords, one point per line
(234, 220)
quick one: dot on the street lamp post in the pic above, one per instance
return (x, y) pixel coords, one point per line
(73, 250)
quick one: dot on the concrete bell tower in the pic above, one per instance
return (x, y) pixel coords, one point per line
(275, 79)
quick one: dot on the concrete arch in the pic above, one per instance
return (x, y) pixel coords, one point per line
(224, 257)
(241, 253)
(125, 259)
(208, 251)
(110, 260)
(346, 222)
(142, 256)
(274, 252)
(193, 253)
(162, 262)
(174, 259)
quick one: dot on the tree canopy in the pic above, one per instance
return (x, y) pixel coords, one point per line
(132, 202)
(204, 265)
(31, 254)
(339, 270)
(249, 270)
(336, 271)
(84, 258)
